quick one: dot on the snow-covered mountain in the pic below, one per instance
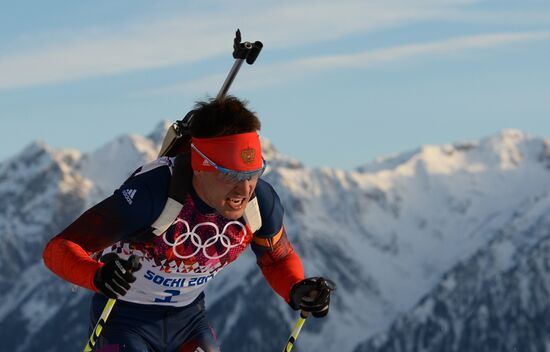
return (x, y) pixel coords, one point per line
(497, 300)
(400, 235)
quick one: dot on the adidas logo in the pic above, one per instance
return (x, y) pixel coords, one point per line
(129, 195)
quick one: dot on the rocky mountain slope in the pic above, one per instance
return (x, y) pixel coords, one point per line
(390, 233)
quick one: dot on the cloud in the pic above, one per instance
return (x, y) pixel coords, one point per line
(199, 35)
(291, 70)
(444, 47)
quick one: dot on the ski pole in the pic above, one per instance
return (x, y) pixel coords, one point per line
(296, 331)
(100, 324)
(177, 139)
(241, 51)
(323, 288)
(134, 265)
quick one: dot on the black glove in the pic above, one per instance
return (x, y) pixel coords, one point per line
(312, 295)
(114, 278)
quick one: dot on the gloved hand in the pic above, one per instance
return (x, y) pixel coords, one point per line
(312, 295)
(114, 278)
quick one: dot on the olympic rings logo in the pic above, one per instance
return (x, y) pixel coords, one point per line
(191, 236)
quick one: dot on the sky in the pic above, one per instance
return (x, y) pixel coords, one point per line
(337, 84)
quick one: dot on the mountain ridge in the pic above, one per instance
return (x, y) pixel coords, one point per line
(386, 235)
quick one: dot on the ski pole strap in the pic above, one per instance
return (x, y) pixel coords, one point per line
(99, 325)
(296, 331)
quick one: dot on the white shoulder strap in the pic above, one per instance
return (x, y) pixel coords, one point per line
(252, 215)
(167, 217)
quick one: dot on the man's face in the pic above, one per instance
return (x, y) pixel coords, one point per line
(229, 199)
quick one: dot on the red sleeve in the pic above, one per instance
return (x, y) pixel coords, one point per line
(72, 263)
(279, 263)
(68, 253)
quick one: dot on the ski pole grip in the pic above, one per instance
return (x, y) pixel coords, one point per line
(241, 52)
(254, 52)
(134, 263)
(246, 51)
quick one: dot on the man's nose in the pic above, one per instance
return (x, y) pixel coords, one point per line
(243, 186)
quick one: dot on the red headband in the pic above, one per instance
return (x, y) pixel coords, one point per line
(240, 152)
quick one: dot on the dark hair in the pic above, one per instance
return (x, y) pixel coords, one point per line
(214, 118)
